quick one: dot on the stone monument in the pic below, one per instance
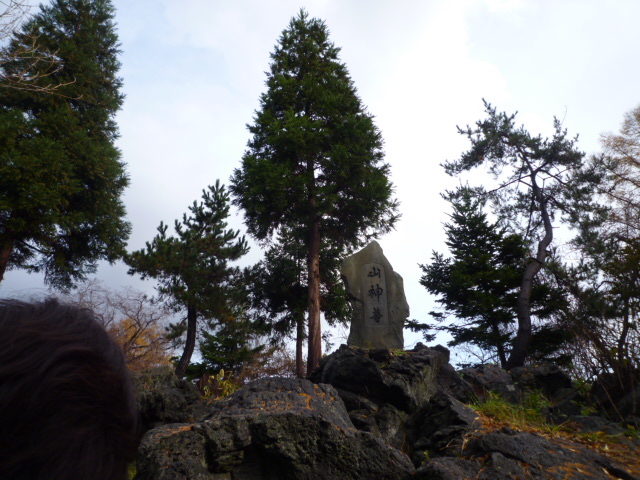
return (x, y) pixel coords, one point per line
(377, 297)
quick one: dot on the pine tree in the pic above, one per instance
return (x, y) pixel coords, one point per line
(61, 176)
(315, 161)
(539, 179)
(193, 269)
(479, 285)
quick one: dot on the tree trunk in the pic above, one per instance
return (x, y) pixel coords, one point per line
(190, 343)
(5, 253)
(622, 340)
(299, 341)
(313, 266)
(499, 347)
(523, 338)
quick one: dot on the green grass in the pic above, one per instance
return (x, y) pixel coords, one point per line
(526, 415)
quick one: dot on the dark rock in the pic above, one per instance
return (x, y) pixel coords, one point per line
(451, 383)
(385, 394)
(550, 379)
(544, 458)
(407, 381)
(490, 378)
(391, 424)
(380, 355)
(163, 398)
(503, 467)
(175, 452)
(440, 427)
(448, 468)
(381, 405)
(589, 423)
(365, 421)
(272, 429)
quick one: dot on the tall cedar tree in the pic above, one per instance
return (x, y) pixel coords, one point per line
(534, 177)
(315, 162)
(280, 292)
(61, 176)
(193, 269)
(279, 296)
(479, 283)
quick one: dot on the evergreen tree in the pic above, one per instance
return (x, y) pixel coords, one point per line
(539, 179)
(478, 284)
(61, 176)
(280, 291)
(192, 268)
(315, 161)
(228, 346)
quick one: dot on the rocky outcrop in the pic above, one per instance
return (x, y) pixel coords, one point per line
(484, 379)
(508, 454)
(377, 414)
(276, 428)
(163, 398)
(406, 381)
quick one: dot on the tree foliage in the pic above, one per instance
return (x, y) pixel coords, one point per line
(621, 157)
(61, 176)
(314, 165)
(280, 291)
(133, 320)
(537, 181)
(604, 286)
(192, 268)
(479, 283)
(36, 64)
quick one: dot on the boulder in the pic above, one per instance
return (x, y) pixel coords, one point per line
(388, 415)
(490, 378)
(163, 398)
(274, 428)
(440, 428)
(509, 454)
(543, 457)
(550, 379)
(406, 380)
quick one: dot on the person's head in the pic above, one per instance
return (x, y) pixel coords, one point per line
(67, 406)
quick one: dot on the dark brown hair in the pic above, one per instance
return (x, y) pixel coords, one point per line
(67, 407)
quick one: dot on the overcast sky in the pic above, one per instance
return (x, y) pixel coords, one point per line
(193, 71)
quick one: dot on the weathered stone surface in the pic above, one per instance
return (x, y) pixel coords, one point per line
(386, 395)
(508, 454)
(272, 429)
(386, 407)
(377, 297)
(490, 378)
(448, 468)
(554, 382)
(546, 458)
(163, 398)
(440, 427)
(407, 381)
